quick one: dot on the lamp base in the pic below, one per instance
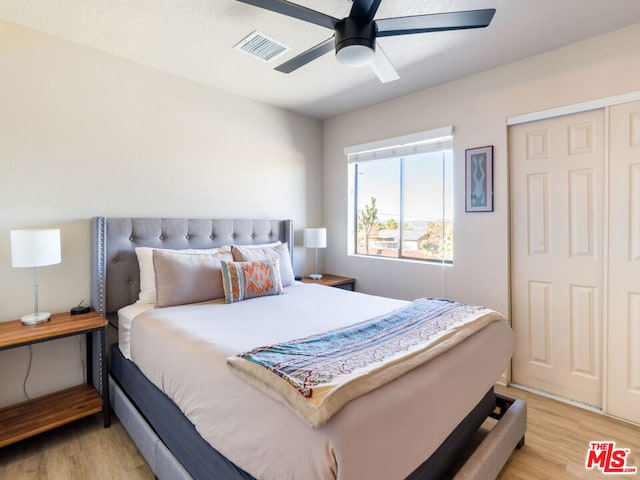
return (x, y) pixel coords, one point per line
(34, 318)
(315, 276)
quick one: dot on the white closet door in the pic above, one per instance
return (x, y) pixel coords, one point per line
(556, 254)
(623, 360)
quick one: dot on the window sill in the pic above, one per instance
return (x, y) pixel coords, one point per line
(432, 263)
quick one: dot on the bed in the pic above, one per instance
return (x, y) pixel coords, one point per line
(192, 417)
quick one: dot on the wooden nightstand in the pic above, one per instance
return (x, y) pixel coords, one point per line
(38, 415)
(345, 283)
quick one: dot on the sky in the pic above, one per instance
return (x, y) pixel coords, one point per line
(423, 186)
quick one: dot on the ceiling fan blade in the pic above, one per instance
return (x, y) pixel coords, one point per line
(436, 22)
(364, 8)
(296, 11)
(306, 57)
(382, 67)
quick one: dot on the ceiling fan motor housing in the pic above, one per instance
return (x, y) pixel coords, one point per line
(355, 31)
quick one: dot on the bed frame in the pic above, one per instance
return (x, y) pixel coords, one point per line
(167, 440)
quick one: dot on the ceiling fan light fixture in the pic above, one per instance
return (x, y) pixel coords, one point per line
(356, 55)
(355, 41)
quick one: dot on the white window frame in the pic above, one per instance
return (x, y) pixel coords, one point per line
(420, 142)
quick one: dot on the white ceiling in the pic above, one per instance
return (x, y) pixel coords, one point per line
(195, 39)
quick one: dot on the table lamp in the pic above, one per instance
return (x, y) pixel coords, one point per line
(35, 248)
(315, 238)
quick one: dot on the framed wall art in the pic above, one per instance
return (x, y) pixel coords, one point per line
(479, 179)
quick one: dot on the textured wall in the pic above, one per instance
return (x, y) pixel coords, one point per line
(83, 134)
(478, 108)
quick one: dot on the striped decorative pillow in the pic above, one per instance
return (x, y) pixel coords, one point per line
(243, 280)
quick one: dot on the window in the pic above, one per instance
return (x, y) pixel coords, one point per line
(401, 197)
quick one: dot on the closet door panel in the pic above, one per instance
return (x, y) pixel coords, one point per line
(623, 332)
(557, 262)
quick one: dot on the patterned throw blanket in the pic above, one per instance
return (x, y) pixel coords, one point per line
(317, 375)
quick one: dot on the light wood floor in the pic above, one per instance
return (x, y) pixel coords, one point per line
(557, 439)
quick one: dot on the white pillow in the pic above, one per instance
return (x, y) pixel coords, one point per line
(148, 274)
(261, 245)
(246, 253)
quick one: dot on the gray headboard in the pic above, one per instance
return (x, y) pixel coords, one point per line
(115, 276)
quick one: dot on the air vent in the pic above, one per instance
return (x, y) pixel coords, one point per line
(259, 45)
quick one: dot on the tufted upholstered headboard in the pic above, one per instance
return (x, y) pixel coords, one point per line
(115, 276)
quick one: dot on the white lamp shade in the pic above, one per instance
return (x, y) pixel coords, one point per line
(315, 237)
(35, 247)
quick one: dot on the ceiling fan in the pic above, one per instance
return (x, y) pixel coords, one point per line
(354, 38)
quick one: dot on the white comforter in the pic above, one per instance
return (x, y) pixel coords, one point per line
(383, 435)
